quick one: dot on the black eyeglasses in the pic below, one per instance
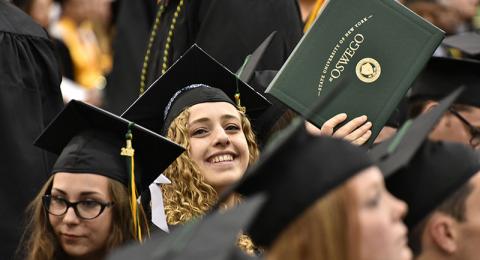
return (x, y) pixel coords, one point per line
(474, 131)
(84, 209)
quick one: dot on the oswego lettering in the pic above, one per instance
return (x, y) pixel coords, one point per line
(333, 70)
(346, 56)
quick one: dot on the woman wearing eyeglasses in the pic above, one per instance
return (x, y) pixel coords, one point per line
(89, 204)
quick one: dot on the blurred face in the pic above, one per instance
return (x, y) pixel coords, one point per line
(217, 143)
(81, 238)
(40, 12)
(382, 232)
(469, 230)
(451, 128)
(466, 8)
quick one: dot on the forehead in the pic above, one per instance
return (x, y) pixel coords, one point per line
(212, 111)
(365, 179)
(76, 183)
(472, 114)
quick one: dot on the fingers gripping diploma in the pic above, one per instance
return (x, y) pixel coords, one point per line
(357, 131)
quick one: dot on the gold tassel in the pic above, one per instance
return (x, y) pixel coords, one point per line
(313, 14)
(129, 152)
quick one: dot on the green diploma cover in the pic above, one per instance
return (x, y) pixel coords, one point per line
(377, 46)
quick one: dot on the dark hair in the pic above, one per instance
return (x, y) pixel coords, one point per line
(454, 206)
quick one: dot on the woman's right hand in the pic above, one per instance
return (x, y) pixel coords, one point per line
(357, 131)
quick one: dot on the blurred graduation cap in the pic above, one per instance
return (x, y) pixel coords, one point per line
(397, 151)
(91, 140)
(424, 173)
(468, 43)
(259, 80)
(300, 162)
(247, 70)
(212, 237)
(436, 171)
(194, 78)
(443, 75)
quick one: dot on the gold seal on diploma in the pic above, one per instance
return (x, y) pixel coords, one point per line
(368, 70)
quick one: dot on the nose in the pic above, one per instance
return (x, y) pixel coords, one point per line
(221, 137)
(71, 217)
(399, 208)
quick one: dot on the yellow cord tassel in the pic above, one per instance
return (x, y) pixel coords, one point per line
(129, 152)
(238, 102)
(313, 14)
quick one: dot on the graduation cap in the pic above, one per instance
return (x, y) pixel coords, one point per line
(436, 171)
(211, 237)
(468, 43)
(303, 163)
(251, 62)
(397, 151)
(424, 173)
(91, 140)
(442, 75)
(194, 78)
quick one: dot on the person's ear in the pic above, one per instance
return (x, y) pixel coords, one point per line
(429, 106)
(443, 233)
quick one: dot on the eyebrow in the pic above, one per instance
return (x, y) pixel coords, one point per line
(206, 119)
(83, 193)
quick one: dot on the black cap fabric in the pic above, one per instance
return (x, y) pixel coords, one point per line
(212, 237)
(251, 62)
(265, 122)
(443, 75)
(397, 151)
(468, 43)
(194, 68)
(89, 140)
(436, 171)
(295, 171)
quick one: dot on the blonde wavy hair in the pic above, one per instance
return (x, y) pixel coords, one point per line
(189, 195)
(326, 230)
(40, 241)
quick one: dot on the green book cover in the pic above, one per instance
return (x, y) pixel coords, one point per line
(377, 46)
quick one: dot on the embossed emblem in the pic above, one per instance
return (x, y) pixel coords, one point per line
(368, 70)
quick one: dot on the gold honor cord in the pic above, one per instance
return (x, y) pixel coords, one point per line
(151, 40)
(313, 14)
(129, 152)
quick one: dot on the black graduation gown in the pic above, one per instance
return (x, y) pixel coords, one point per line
(134, 21)
(229, 30)
(29, 98)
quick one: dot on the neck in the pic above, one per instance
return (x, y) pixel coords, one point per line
(92, 256)
(306, 7)
(430, 255)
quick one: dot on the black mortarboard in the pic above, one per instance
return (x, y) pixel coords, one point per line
(436, 171)
(298, 161)
(89, 140)
(305, 164)
(468, 43)
(423, 173)
(184, 84)
(212, 237)
(442, 75)
(397, 151)
(251, 62)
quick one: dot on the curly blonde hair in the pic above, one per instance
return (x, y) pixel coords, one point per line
(189, 195)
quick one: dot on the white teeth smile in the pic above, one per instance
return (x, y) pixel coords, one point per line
(222, 158)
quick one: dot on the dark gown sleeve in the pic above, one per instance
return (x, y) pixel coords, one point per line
(29, 98)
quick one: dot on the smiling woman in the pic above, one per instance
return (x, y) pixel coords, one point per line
(220, 144)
